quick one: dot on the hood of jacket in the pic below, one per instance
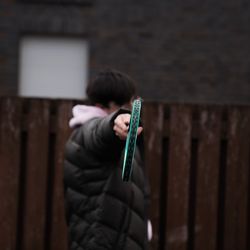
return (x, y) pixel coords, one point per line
(83, 113)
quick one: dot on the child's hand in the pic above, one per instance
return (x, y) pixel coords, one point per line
(121, 125)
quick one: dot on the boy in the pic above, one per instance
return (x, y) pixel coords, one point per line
(102, 211)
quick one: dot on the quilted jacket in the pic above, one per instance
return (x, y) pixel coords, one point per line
(102, 211)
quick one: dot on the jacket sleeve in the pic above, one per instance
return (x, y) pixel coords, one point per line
(99, 137)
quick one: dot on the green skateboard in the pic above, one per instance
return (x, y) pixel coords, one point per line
(131, 140)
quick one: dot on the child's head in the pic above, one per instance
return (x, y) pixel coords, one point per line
(111, 87)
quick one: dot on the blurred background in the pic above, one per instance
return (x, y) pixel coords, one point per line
(178, 51)
(191, 62)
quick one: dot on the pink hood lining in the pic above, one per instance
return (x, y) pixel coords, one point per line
(83, 113)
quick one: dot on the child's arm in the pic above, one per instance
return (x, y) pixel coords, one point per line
(99, 136)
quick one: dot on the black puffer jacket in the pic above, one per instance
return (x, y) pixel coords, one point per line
(103, 212)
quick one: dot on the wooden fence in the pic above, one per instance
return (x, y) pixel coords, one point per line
(198, 160)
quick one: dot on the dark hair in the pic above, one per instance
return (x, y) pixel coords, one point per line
(111, 86)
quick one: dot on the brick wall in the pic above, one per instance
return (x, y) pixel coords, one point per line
(178, 51)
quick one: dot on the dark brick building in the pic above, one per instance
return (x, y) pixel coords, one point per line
(178, 51)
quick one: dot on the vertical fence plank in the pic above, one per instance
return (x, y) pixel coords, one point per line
(9, 170)
(178, 178)
(237, 180)
(207, 184)
(35, 189)
(58, 239)
(153, 116)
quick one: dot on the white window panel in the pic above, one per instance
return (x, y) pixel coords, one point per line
(53, 67)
